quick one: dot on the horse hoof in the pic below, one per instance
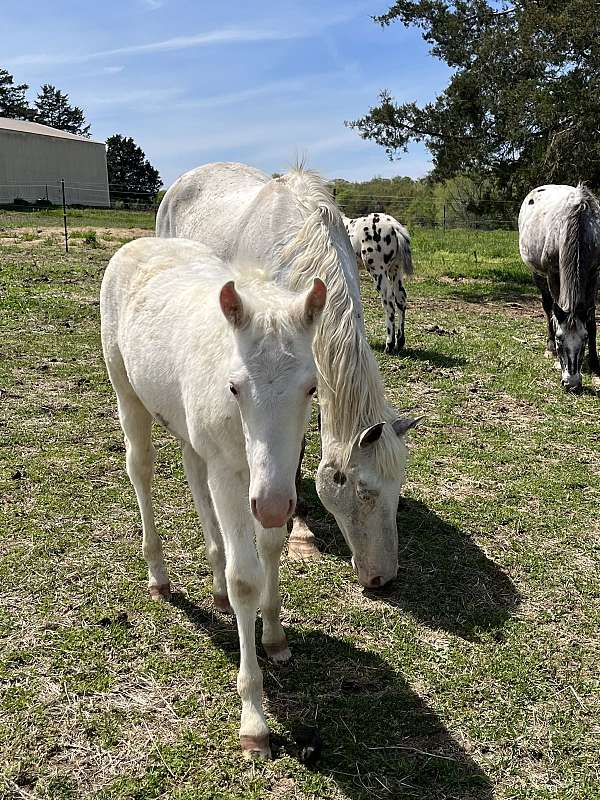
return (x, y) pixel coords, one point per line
(221, 602)
(596, 381)
(549, 354)
(162, 592)
(304, 549)
(557, 366)
(255, 746)
(278, 652)
(388, 349)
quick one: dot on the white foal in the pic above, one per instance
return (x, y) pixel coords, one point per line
(231, 374)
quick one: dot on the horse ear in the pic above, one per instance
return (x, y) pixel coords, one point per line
(314, 302)
(559, 313)
(404, 424)
(370, 435)
(232, 305)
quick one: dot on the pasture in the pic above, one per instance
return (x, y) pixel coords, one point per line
(474, 676)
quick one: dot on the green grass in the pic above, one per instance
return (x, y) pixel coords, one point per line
(475, 676)
(77, 217)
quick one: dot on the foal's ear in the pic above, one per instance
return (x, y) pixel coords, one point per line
(404, 424)
(232, 306)
(314, 302)
(559, 313)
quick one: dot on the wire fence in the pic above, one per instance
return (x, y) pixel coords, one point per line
(49, 193)
(419, 210)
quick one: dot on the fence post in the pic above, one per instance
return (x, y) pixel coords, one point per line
(444, 218)
(62, 184)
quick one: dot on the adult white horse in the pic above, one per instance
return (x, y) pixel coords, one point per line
(231, 374)
(559, 238)
(292, 224)
(382, 246)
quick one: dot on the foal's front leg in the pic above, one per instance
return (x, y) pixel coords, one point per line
(245, 584)
(270, 544)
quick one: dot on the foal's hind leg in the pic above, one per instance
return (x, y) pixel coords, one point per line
(137, 427)
(197, 476)
(547, 303)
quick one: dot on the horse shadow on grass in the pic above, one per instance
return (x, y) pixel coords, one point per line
(379, 738)
(445, 580)
(434, 357)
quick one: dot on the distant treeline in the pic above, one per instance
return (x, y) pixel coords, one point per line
(456, 203)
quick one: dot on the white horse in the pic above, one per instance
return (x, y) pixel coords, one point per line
(292, 224)
(559, 238)
(231, 374)
(382, 246)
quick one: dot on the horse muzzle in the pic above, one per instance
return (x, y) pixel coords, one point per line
(273, 511)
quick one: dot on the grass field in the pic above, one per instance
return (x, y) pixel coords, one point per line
(475, 676)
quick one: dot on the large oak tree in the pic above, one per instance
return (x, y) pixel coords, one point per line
(523, 102)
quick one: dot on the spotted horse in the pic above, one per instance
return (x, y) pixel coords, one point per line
(382, 244)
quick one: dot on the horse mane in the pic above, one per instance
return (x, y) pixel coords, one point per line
(577, 250)
(351, 390)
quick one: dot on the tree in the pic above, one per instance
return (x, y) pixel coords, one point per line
(523, 102)
(52, 108)
(13, 103)
(129, 171)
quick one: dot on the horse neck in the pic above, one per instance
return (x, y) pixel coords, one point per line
(351, 393)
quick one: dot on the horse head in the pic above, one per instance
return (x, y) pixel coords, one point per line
(571, 338)
(272, 377)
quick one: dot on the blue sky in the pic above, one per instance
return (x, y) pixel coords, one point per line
(258, 82)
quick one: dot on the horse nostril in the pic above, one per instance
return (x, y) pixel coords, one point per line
(291, 507)
(375, 583)
(253, 507)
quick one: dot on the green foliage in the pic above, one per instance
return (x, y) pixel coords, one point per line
(52, 108)
(524, 98)
(457, 202)
(129, 171)
(13, 103)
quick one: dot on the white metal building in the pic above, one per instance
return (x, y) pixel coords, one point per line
(34, 158)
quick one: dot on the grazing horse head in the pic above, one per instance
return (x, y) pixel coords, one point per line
(272, 377)
(571, 337)
(364, 501)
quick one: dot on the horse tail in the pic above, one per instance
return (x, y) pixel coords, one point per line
(576, 248)
(404, 248)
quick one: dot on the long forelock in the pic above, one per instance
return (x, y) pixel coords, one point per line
(353, 393)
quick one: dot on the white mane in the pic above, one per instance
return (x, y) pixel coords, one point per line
(351, 391)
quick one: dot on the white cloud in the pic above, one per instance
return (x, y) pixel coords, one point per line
(217, 37)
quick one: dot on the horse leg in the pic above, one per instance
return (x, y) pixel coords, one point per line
(387, 301)
(302, 545)
(547, 303)
(245, 584)
(270, 544)
(136, 423)
(592, 350)
(400, 300)
(197, 477)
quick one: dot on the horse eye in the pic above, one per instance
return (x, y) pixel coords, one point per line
(232, 389)
(339, 478)
(313, 390)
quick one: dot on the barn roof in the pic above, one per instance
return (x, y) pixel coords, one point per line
(22, 126)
